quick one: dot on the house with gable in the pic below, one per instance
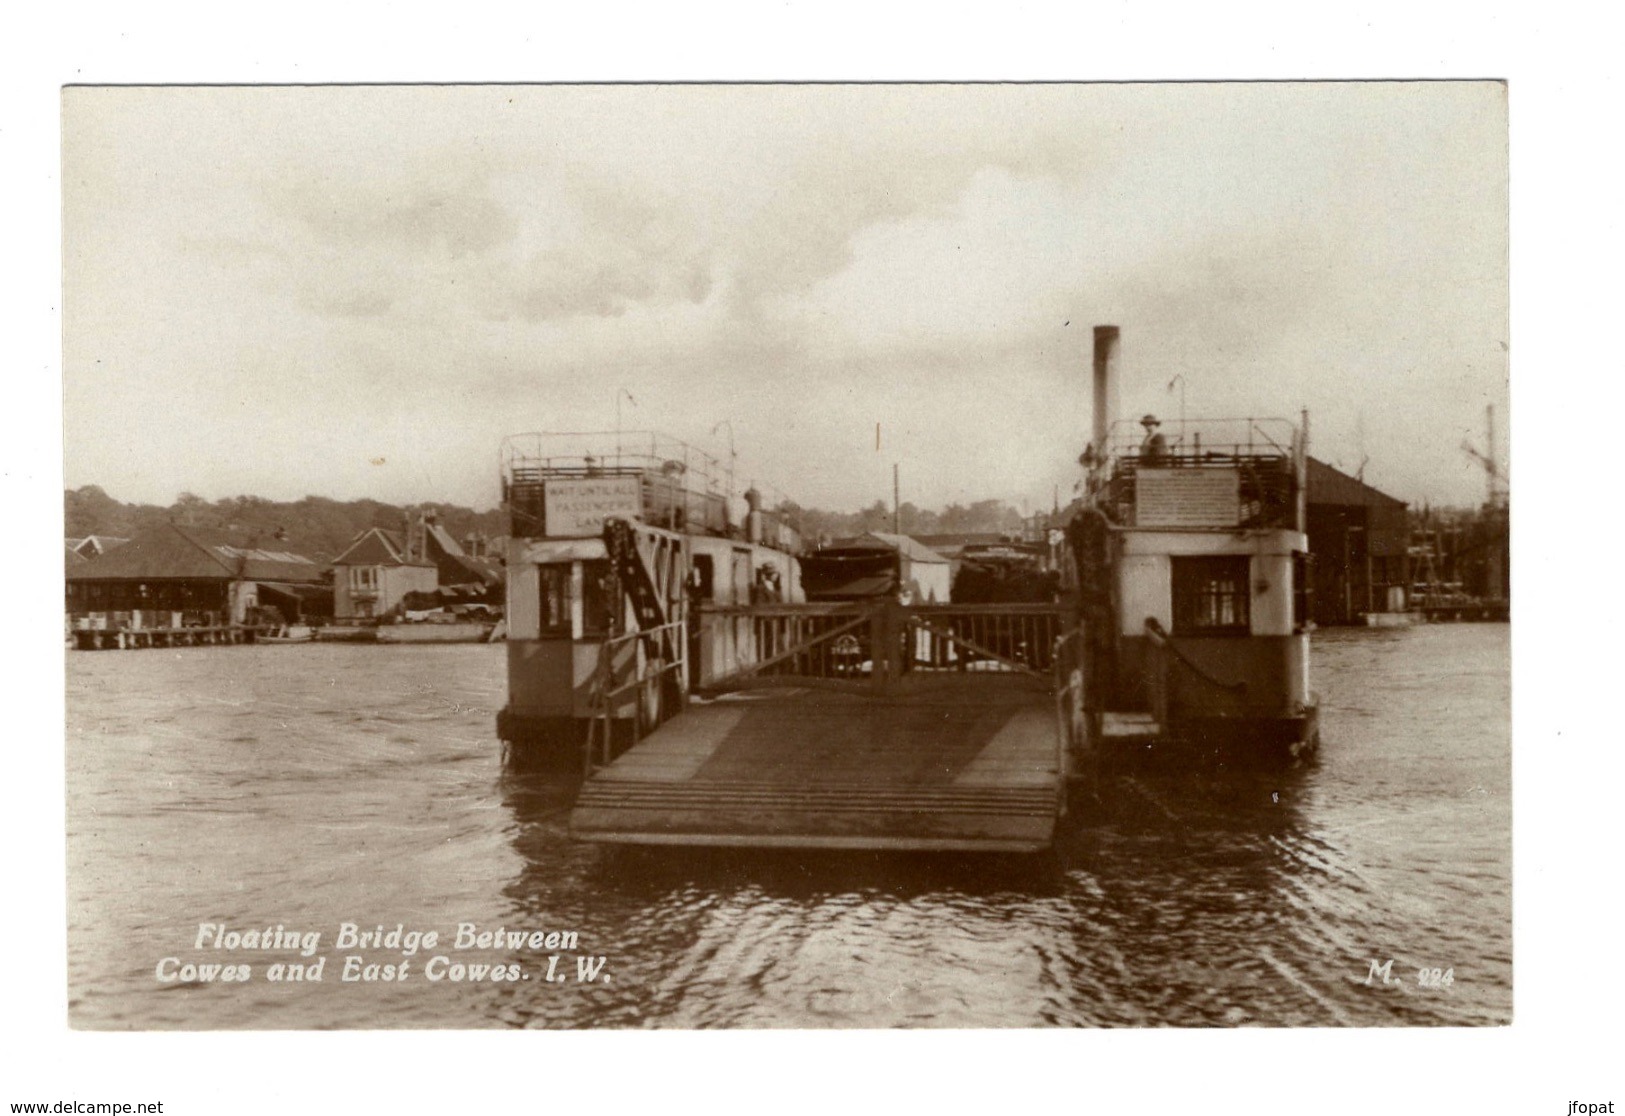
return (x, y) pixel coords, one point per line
(376, 572)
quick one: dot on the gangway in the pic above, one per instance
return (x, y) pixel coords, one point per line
(862, 725)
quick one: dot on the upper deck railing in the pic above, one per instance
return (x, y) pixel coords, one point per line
(535, 454)
(664, 481)
(1204, 473)
(659, 480)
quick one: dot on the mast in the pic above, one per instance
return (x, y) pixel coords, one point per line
(896, 505)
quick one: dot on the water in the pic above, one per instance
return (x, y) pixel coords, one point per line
(312, 785)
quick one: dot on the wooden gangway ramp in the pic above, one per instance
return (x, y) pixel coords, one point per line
(943, 761)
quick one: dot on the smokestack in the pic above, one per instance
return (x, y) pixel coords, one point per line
(1105, 387)
(753, 517)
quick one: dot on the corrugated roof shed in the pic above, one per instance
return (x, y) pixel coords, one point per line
(196, 553)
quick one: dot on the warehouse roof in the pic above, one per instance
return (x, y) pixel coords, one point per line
(172, 551)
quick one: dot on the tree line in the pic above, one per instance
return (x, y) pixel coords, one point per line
(321, 528)
(315, 526)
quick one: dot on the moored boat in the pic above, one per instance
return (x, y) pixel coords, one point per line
(459, 631)
(288, 633)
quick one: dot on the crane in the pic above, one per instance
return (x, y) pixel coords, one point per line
(1494, 476)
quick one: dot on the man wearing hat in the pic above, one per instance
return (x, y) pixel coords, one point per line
(1154, 450)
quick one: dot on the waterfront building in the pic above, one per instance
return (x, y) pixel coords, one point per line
(1359, 538)
(94, 546)
(176, 576)
(381, 569)
(375, 572)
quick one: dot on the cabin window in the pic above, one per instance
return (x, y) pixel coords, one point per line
(1211, 595)
(553, 587)
(1301, 590)
(704, 577)
(596, 596)
(741, 577)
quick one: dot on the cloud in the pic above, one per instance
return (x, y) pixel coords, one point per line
(422, 219)
(804, 261)
(605, 250)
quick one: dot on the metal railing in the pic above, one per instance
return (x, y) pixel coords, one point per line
(1215, 441)
(647, 682)
(536, 454)
(1072, 712)
(999, 637)
(873, 644)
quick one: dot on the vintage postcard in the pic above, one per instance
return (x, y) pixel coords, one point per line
(787, 556)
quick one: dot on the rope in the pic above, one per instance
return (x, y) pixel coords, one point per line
(1163, 639)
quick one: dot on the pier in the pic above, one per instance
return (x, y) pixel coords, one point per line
(1472, 610)
(123, 639)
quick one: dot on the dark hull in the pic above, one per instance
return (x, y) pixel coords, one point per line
(1237, 742)
(532, 742)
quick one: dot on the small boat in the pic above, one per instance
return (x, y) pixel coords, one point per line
(432, 631)
(290, 633)
(347, 633)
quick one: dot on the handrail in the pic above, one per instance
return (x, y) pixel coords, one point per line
(974, 648)
(749, 672)
(1065, 684)
(602, 695)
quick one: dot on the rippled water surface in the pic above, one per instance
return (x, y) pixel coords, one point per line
(313, 785)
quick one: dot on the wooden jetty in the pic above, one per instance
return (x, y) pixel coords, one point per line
(1492, 611)
(103, 639)
(944, 737)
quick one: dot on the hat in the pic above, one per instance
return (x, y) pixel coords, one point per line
(1150, 420)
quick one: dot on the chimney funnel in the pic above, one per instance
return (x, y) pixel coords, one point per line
(1105, 387)
(753, 517)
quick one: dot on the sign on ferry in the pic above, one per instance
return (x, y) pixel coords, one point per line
(577, 507)
(1187, 498)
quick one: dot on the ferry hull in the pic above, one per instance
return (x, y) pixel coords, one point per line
(540, 742)
(1254, 743)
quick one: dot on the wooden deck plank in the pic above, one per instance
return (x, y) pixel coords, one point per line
(679, 748)
(945, 762)
(1022, 754)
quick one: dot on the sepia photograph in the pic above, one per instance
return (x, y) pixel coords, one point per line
(814, 556)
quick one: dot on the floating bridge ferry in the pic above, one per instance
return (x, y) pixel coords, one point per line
(663, 643)
(1191, 567)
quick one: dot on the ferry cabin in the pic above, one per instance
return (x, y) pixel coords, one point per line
(1192, 563)
(1209, 577)
(568, 602)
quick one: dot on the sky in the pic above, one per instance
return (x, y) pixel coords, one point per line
(359, 291)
